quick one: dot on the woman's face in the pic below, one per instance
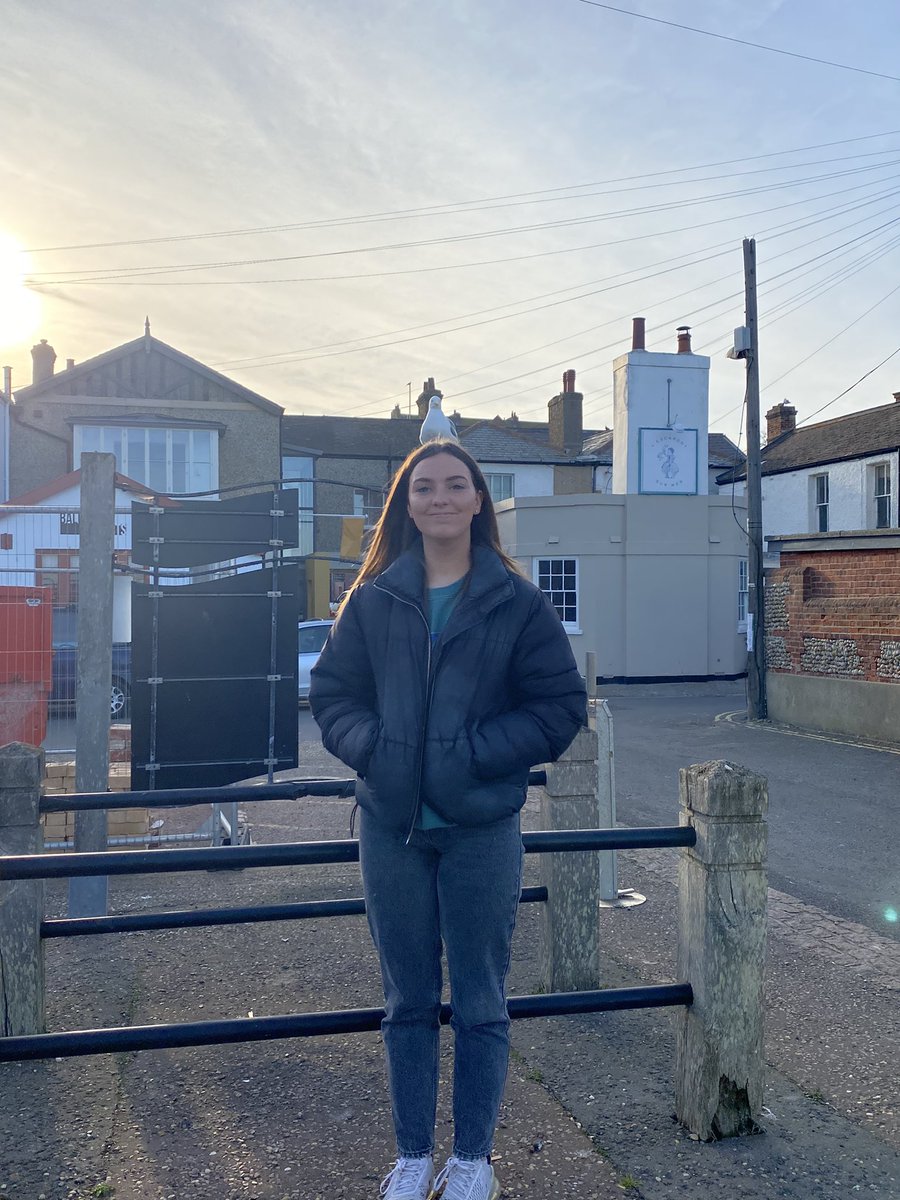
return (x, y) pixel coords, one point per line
(442, 498)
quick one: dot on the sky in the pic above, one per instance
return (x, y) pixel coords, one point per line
(331, 202)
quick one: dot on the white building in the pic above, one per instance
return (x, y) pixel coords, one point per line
(654, 585)
(831, 477)
(652, 575)
(40, 548)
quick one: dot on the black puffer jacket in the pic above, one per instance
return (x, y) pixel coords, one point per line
(457, 725)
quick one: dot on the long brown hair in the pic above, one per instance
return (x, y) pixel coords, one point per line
(396, 531)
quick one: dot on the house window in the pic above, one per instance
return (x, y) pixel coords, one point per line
(167, 460)
(501, 486)
(367, 503)
(820, 503)
(743, 590)
(558, 580)
(881, 478)
(295, 470)
(58, 571)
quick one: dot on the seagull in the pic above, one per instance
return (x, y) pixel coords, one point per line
(437, 424)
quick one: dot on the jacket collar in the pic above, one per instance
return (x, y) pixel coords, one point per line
(490, 580)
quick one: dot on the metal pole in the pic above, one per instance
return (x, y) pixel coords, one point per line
(97, 524)
(756, 664)
(590, 673)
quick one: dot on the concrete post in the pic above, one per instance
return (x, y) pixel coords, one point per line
(21, 901)
(88, 897)
(722, 893)
(570, 932)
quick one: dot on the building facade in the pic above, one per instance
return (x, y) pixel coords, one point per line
(830, 477)
(174, 424)
(655, 586)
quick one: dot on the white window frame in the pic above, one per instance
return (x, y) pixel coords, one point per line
(881, 479)
(743, 598)
(569, 626)
(820, 487)
(497, 482)
(140, 475)
(296, 467)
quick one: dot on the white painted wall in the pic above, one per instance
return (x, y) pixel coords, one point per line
(32, 530)
(653, 391)
(658, 578)
(603, 479)
(788, 498)
(531, 479)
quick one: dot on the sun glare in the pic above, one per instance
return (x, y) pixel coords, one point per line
(20, 309)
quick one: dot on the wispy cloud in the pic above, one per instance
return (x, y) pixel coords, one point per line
(133, 122)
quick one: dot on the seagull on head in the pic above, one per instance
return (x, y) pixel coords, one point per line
(437, 424)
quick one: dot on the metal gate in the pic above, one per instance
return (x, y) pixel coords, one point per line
(214, 639)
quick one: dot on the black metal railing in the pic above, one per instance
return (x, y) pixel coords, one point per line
(351, 1020)
(193, 918)
(293, 789)
(292, 854)
(140, 862)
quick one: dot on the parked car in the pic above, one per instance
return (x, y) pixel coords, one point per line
(311, 639)
(65, 669)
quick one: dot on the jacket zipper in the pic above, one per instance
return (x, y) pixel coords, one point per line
(428, 694)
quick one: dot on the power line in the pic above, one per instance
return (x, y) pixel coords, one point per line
(266, 360)
(841, 395)
(457, 206)
(742, 42)
(218, 283)
(787, 274)
(833, 338)
(785, 277)
(104, 275)
(724, 338)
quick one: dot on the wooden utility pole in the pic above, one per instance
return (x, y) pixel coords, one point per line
(756, 665)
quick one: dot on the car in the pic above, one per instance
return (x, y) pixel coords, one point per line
(65, 671)
(312, 636)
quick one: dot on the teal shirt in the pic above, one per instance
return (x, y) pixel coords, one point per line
(441, 602)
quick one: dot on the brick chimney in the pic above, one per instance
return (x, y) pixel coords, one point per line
(565, 420)
(43, 356)
(428, 390)
(684, 339)
(782, 418)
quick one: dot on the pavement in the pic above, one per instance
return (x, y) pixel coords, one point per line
(589, 1105)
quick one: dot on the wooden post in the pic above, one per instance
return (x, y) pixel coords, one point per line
(21, 901)
(722, 892)
(570, 932)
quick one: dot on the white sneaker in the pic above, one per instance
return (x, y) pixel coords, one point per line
(463, 1179)
(409, 1179)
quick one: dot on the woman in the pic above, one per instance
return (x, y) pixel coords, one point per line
(445, 677)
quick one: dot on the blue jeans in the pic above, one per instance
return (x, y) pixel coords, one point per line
(459, 885)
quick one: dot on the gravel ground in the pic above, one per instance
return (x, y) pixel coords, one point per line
(588, 1110)
(278, 1120)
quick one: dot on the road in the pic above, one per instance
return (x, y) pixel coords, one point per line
(834, 809)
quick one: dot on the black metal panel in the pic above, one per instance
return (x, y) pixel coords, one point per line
(205, 721)
(198, 532)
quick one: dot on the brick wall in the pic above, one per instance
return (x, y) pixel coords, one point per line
(835, 613)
